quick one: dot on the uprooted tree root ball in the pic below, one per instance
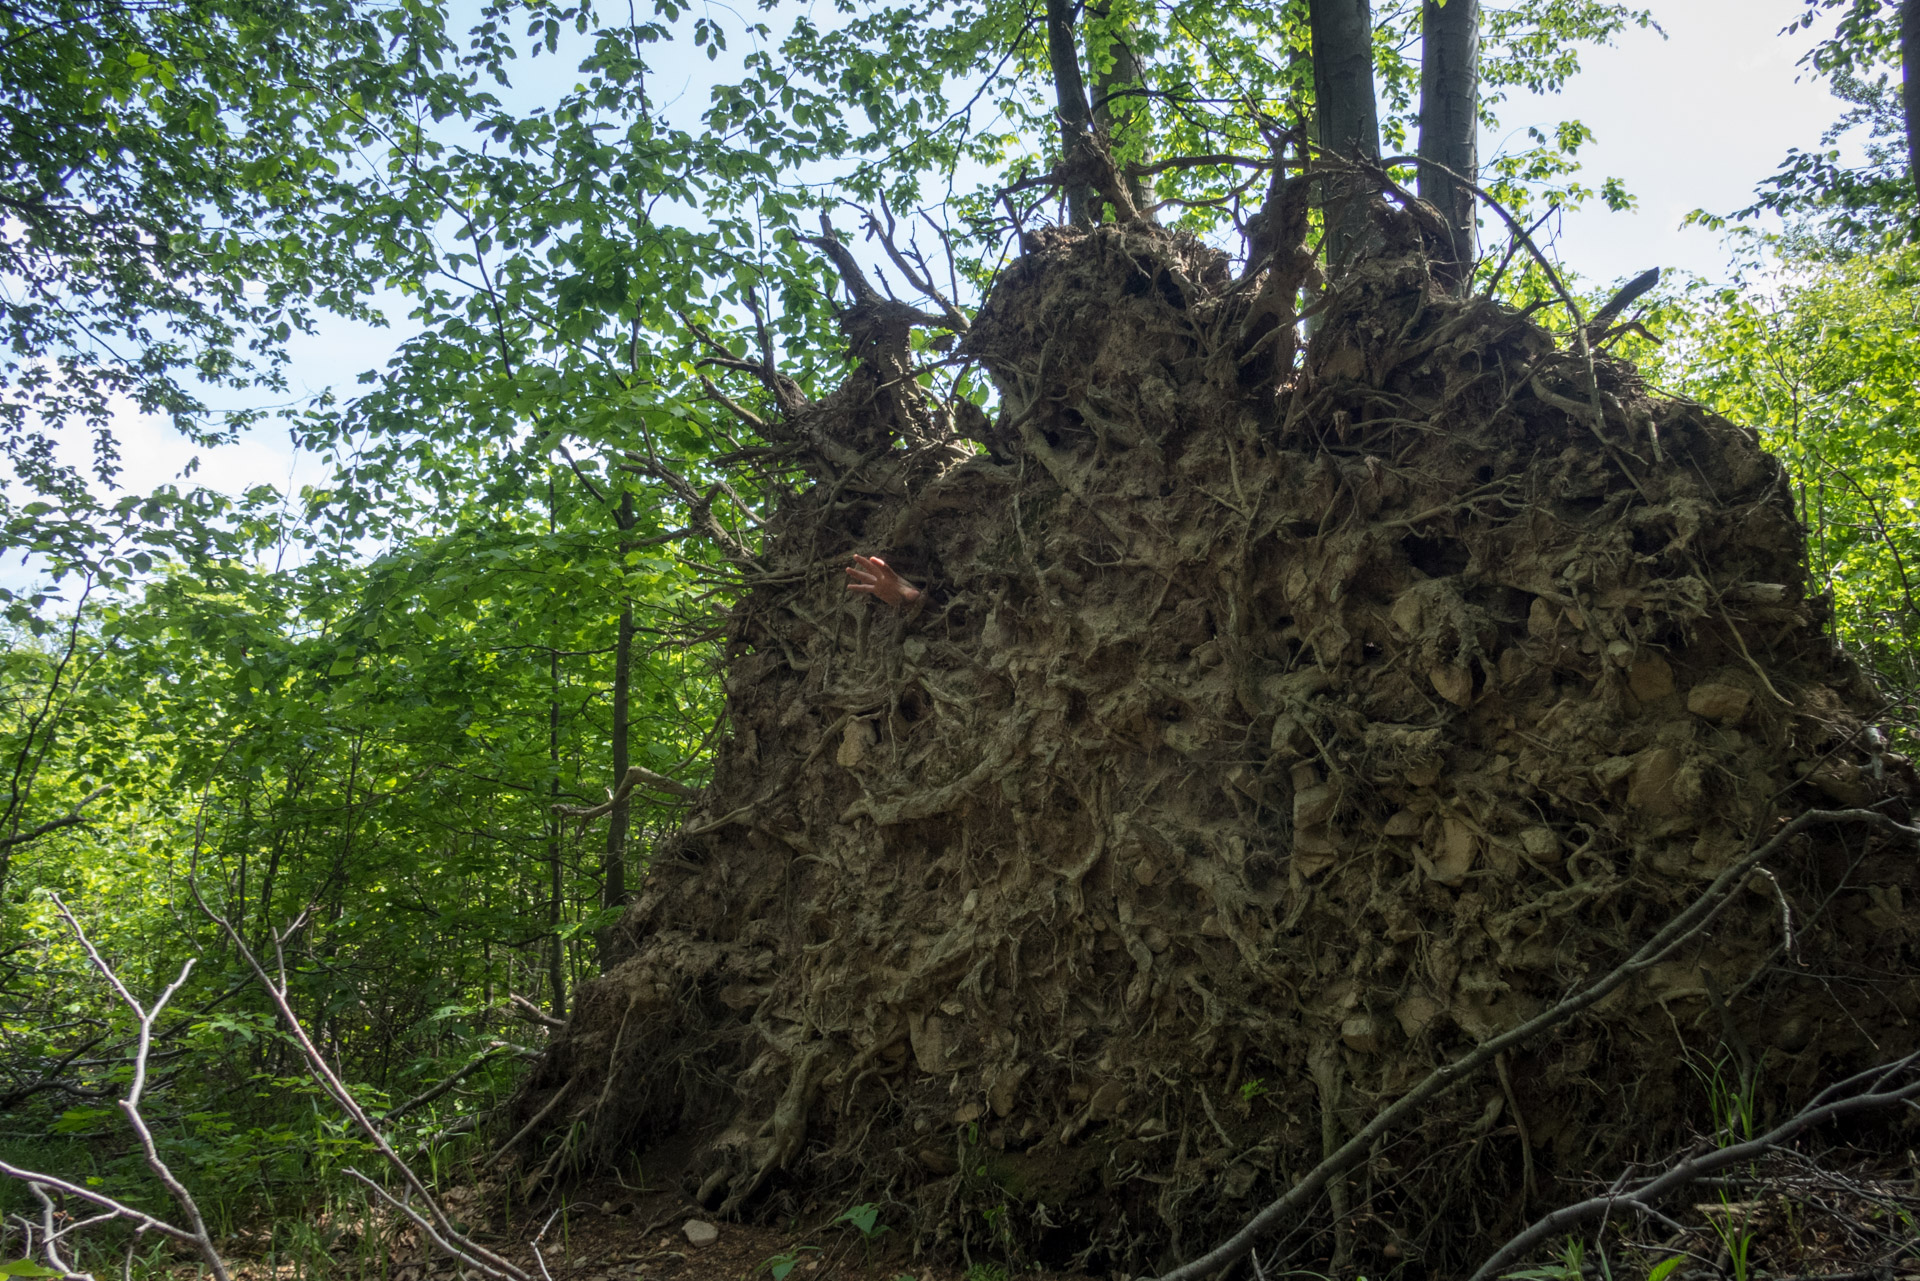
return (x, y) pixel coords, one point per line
(1265, 737)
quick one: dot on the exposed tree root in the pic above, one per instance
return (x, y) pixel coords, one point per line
(1265, 738)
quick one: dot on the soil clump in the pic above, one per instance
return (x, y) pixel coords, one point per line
(1270, 732)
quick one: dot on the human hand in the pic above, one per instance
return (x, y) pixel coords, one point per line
(873, 576)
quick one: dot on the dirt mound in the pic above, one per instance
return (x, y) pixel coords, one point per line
(1265, 737)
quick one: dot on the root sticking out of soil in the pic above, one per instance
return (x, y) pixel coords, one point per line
(1265, 737)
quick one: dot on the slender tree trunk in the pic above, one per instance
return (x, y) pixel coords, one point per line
(1076, 118)
(557, 950)
(557, 947)
(1346, 119)
(1910, 82)
(1449, 115)
(614, 872)
(1115, 107)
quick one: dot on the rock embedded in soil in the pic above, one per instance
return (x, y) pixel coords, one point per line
(1725, 704)
(699, 1232)
(1265, 738)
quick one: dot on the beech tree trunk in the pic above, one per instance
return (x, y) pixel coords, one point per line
(556, 882)
(556, 913)
(1076, 117)
(1114, 106)
(1346, 119)
(1449, 109)
(1910, 82)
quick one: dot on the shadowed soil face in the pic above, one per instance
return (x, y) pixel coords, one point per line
(1267, 735)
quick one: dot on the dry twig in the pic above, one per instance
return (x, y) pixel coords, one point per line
(1872, 1090)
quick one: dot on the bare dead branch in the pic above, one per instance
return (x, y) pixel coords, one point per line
(130, 1105)
(920, 280)
(843, 262)
(1622, 300)
(733, 406)
(500, 1156)
(444, 1240)
(533, 1013)
(637, 776)
(541, 1235)
(1830, 1104)
(139, 1218)
(434, 1091)
(700, 517)
(785, 392)
(599, 496)
(73, 818)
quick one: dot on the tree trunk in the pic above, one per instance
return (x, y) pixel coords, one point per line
(1076, 118)
(1449, 115)
(613, 890)
(613, 886)
(557, 947)
(1115, 107)
(1910, 82)
(1346, 120)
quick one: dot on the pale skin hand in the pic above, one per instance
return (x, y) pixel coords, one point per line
(873, 576)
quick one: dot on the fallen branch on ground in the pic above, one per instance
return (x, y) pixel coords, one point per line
(1830, 1104)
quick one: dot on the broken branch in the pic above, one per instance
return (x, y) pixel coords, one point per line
(1824, 1107)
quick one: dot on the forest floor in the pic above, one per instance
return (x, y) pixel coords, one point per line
(1839, 1215)
(612, 1233)
(1790, 1221)
(655, 1236)
(1787, 1219)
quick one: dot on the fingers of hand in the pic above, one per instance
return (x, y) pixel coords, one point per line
(870, 569)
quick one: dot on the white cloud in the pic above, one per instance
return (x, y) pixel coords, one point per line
(1694, 121)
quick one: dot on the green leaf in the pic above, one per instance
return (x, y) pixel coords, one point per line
(863, 1218)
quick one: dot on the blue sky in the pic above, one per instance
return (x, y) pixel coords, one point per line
(1692, 119)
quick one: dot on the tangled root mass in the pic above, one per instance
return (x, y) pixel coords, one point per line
(1262, 741)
